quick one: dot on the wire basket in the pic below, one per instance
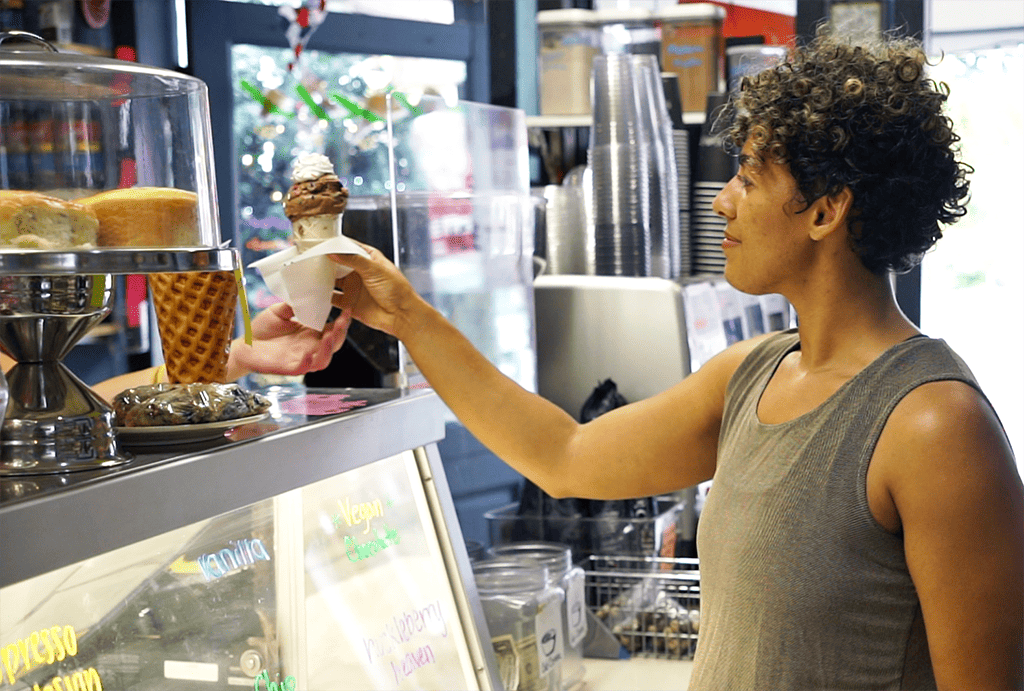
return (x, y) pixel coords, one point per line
(651, 605)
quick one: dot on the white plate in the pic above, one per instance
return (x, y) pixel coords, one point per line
(159, 435)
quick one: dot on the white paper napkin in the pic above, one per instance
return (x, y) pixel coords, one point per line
(305, 280)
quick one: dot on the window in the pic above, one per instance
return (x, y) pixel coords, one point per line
(972, 283)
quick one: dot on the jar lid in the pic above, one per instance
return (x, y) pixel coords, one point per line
(690, 10)
(506, 576)
(557, 557)
(573, 16)
(625, 15)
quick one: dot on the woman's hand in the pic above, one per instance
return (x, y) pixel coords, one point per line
(283, 346)
(376, 293)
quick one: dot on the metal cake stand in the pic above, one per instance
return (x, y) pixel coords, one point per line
(54, 422)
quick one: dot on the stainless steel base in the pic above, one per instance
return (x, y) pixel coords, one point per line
(55, 424)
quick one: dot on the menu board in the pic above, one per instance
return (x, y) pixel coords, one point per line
(378, 606)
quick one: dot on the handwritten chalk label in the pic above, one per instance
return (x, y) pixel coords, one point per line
(41, 647)
(408, 626)
(363, 512)
(403, 627)
(407, 666)
(81, 680)
(238, 555)
(289, 683)
(384, 537)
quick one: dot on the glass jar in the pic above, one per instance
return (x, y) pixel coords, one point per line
(524, 615)
(557, 558)
(569, 40)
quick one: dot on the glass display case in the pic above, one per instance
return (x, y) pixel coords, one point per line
(316, 549)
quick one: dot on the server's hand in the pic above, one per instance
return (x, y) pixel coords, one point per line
(283, 346)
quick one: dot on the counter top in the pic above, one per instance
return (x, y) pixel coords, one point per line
(49, 521)
(636, 674)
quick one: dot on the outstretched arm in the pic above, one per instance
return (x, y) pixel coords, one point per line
(662, 444)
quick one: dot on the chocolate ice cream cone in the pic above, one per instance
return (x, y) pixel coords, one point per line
(195, 313)
(315, 201)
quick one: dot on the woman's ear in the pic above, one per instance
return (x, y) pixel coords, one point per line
(829, 213)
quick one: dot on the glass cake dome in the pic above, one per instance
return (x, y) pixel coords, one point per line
(129, 142)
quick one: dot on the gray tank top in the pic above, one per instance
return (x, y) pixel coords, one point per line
(800, 587)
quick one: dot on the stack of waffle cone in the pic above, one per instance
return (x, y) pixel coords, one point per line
(195, 313)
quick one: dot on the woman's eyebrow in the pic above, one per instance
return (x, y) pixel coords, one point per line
(749, 162)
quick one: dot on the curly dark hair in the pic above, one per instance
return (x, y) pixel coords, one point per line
(863, 117)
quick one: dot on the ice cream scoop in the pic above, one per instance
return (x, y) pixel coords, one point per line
(315, 202)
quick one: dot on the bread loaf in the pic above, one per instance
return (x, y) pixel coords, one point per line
(31, 220)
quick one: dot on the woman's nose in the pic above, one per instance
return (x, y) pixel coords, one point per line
(723, 204)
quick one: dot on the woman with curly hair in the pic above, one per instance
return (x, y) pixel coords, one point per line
(865, 526)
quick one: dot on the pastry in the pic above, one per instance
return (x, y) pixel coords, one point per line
(185, 404)
(315, 202)
(30, 220)
(146, 217)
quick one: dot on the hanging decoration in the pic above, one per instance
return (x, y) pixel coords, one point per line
(302, 21)
(96, 13)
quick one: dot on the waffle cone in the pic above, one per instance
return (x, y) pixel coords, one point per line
(195, 313)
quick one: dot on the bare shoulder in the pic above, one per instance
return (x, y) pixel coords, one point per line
(703, 392)
(950, 415)
(942, 431)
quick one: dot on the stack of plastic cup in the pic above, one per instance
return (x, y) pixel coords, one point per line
(619, 160)
(657, 172)
(565, 229)
(681, 150)
(665, 204)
